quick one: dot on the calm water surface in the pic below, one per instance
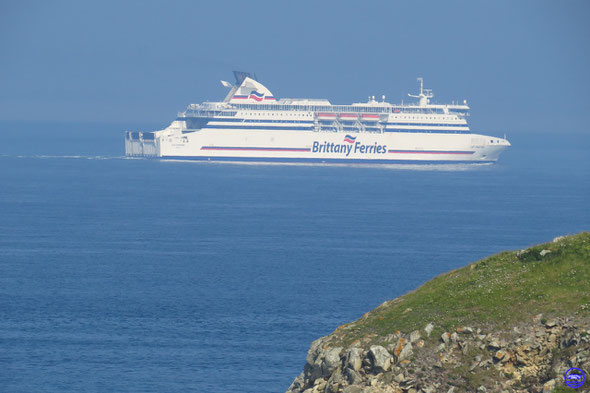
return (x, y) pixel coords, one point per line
(127, 275)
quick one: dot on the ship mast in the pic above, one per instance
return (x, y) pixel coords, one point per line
(425, 94)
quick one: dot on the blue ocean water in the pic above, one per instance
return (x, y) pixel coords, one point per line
(127, 275)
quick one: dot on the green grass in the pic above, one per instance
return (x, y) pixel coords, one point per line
(498, 291)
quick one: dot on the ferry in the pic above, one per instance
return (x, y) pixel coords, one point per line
(250, 124)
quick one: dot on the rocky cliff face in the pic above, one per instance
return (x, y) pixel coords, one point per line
(522, 353)
(532, 357)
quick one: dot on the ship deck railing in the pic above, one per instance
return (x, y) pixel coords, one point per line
(231, 110)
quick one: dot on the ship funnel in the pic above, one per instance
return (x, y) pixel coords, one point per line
(241, 76)
(248, 90)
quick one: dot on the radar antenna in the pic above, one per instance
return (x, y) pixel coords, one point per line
(425, 94)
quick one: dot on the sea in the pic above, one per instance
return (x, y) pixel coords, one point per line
(141, 275)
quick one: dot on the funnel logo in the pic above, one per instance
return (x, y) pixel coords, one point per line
(349, 139)
(574, 377)
(256, 95)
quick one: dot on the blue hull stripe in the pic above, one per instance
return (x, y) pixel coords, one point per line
(318, 160)
(426, 131)
(302, 127)
(250, 121)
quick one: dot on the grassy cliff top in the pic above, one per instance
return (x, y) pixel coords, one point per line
(500, 291)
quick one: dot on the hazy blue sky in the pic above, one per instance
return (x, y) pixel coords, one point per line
(522, 65)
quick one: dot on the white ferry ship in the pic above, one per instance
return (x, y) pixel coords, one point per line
(252, 125)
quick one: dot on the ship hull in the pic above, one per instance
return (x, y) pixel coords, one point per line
(315, 147)
(245, 127)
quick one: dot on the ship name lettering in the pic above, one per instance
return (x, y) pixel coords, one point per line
(357, 147)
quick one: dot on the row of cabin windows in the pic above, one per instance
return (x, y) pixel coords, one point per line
(311, 115)
(335, 108)
(278, 114)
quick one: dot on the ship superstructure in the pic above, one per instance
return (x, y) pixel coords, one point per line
(250, 124)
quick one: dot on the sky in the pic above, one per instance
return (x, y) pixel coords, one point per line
(522, 65)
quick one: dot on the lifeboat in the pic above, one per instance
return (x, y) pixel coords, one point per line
(326, 116)
(369, 117)
(349, 116)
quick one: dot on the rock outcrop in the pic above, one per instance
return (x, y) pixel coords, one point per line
(532, 357)
(524, 352)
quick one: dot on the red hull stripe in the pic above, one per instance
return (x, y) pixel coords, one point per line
(239, 148)
(429, 152)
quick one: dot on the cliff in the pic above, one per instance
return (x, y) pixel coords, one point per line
(513, 322)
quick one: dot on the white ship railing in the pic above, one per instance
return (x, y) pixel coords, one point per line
(216, 109)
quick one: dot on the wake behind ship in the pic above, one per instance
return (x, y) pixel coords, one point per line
(250, 124)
